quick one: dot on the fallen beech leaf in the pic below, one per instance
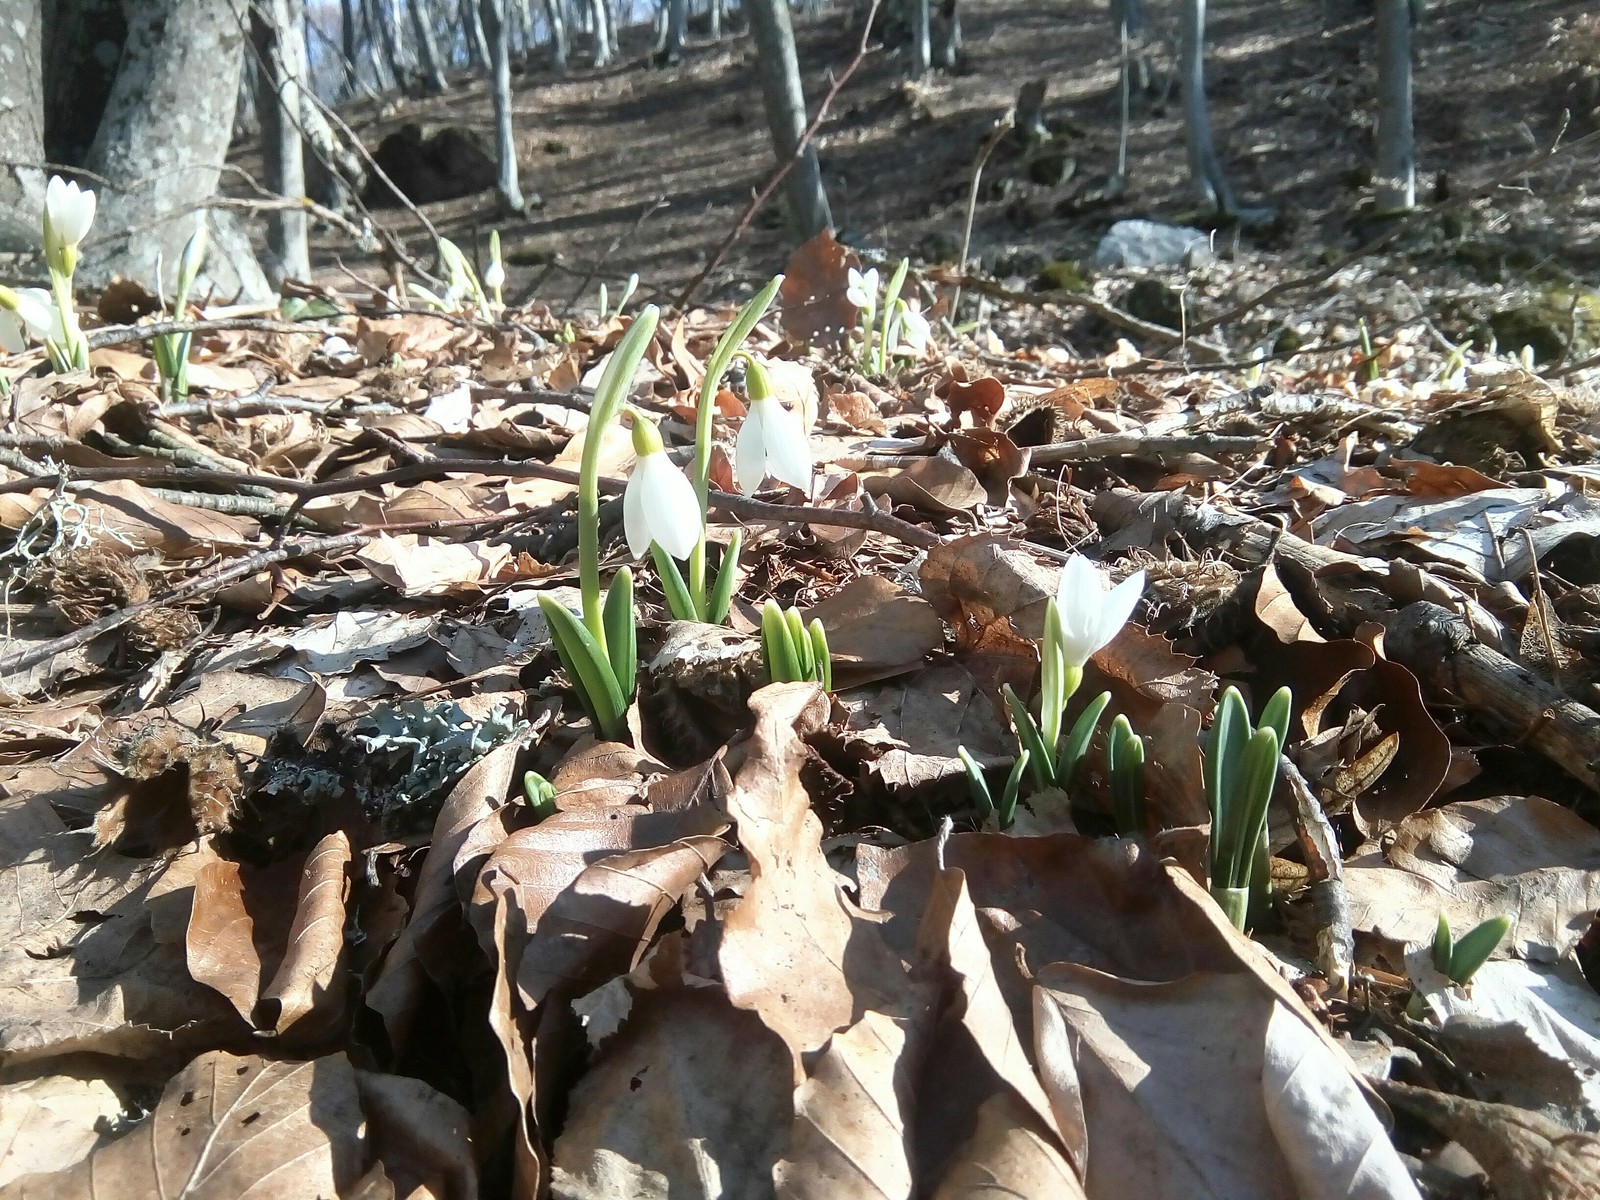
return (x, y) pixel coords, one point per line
(983, 398)
(1008, 1155)
(812, 300)
(933, 485)
(310, 981)
(1276, 609)
(786, 945)
(876, 629)
(689, 1086)
(50, 1123)
(850, 1139)
(993, 458)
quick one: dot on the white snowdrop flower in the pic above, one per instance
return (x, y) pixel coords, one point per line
(772, 440)
(38, 311)
(1090, 615)
(659, 504)
(68, 213)
(914, 330)
(11, 339)
(863, 289)
(494, 275)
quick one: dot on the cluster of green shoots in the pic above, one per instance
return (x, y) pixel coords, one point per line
(664, 514)
(628, 288)
(171, 350)
(793, 651)
(1241, 767)
(884, 329)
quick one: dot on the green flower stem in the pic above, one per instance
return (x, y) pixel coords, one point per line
(609, 398)
(727, 345)
(890, 295)
(76, 349)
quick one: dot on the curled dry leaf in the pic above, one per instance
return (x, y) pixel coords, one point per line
(876, 629)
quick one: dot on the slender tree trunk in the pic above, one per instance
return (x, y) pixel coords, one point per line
(381, 32)
(21, 123)
(554, 11)
(1205, 169)
(348, 13)
(786, 113)
(522, 22)
(677, 22)
(600, 21)
(1395, 168)
(278, 34)
(505, 142)
(477, 38)
(921, 38)
(433, 79)
(714, 13)
(161, 144)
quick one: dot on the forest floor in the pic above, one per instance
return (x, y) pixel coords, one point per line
(317, 877)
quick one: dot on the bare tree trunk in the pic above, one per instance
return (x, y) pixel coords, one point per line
(382, 40)
(505, 142)
(786, 113)
(921, 38)
(428, 56)
(1395, 165)
(161, 144)
(477, 38)
(1128, 16)
(1205, 169)
(21, 124)
(278, 34)
(521, 18)
(714, 13)
(677, 21)
(600, 20)
(347, 30)
(554, 11)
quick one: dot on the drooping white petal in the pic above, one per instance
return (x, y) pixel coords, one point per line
(750, 453)
(494, 275)
(772, 441)
(11, 339)
(914, 331)
(38, 311)
(659, 506)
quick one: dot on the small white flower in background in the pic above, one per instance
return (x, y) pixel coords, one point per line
(863, 289)
(659, 504)
(1090, 615)
(914, 330)
(772, 440)
(494, 275)
(452, 409)
(68, 213)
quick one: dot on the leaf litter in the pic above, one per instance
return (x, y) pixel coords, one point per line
(282, 913)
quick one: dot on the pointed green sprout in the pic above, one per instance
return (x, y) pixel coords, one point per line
(1125, 754)
(599, 651)
(541, 795)
(1005, 813)
(890, 295)
(1241, 767)
(171, 350)
(696, 598)
(1460, 959)
(791, 650)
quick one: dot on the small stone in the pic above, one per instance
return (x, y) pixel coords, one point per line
(1151, 244)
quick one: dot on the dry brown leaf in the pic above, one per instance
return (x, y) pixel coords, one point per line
(812, 299)
(851, 1139)
(876, 629)
(1008, 1155)
(49, 1123)
(122, 510)
(310, 982)
(693, 1097)
(1276, 609)
(983, 397)
(936, 485)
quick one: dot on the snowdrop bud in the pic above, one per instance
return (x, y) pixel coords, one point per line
(659, 504)
(1090, 615)
(772, 440)
(68, 213)
(494, 275)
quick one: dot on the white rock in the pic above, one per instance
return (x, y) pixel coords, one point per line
(1151, 244)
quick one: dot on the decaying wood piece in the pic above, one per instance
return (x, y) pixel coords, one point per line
(1437, 645)
(1440, 650)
